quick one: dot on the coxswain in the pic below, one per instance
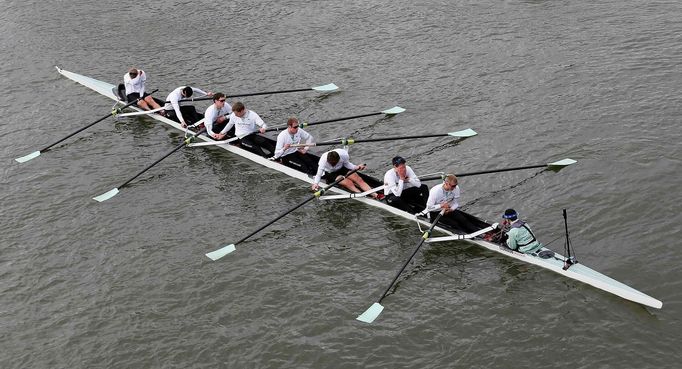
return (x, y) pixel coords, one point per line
(519, 235)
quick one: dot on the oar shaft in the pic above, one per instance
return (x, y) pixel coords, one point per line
(184, 143)
(340, 119)
(91, 124)
(252, 94)
(434, 177)
(282, 215)
(350, 141)
(416, 249)
(307, 124)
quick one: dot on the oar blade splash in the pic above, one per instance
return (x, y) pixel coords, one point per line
(28, 157)
(217, 254)
(463, 133)
(393, 110)
(326, 88)
(106, 196)
(371, 313)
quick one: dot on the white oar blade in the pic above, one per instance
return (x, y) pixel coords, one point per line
(325, 88)
(562, 163)
(217, 254)
(106, 196)
(463, 133)
(28, 157)
(394, 110)
(370, 314)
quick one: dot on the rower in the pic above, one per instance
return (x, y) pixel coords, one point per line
(337, 163)
(186, 114)
(519, 236)
(216, 117)
(134, 82)
(445, 196)
(291, 156)
(245, 122)
(403, 188)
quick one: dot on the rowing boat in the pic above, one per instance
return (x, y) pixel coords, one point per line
(546, 259)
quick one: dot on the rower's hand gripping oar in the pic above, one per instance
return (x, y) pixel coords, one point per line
(114, 111)
(113, 192)
(217, 254)
(349, 141)
(555, 166)
(373, 312)
(324, 88)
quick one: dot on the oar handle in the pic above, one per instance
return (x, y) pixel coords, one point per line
(113, 112)
(424, 237)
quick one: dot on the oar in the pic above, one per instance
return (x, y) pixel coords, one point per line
(114, 111)
(373, 312)
(324, 88)
(217, 254)
(392, 111)
(113, 192)
(349, 141)
(555, 166)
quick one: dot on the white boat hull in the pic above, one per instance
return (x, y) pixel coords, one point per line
(577, 272)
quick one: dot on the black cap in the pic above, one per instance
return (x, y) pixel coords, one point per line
(510, 214)
(398, 160)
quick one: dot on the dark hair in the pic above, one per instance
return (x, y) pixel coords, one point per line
(238, 106)
(133, 72)
(218, 96)
(398, 160)
(187, 91)
(333, 158)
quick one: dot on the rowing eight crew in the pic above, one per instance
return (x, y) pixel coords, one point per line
(402, 188)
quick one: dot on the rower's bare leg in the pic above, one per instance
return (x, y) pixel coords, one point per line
(360, 183)
(142, 104)
(349, 185)
(150, 100)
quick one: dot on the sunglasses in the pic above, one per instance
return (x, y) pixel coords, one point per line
(221, 100)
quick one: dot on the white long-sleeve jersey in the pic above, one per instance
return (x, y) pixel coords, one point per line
(395, 185)
(135, 84)
(323, 166)
(285, 137)
(212, 113)
(437, 196)
(246, 124)
(174, 98)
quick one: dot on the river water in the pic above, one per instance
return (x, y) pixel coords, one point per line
(125, 283)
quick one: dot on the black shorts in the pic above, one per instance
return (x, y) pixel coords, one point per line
(134, 96)
(331, 177)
